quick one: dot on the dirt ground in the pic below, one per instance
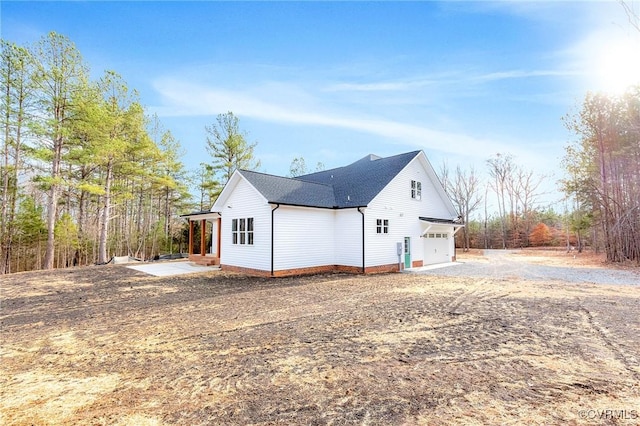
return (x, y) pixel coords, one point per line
(112, 346)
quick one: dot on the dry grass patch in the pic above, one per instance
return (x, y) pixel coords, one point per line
(114, 346)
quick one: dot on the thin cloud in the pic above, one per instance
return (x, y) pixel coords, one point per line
(380, 86)
(186, 99)
(515, 74)
(449, 79)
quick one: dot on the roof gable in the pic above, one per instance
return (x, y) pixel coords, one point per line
(358, 183)
(354, 185)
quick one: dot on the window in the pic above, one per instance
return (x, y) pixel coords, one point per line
(382, 226)
(243, 235)
(234, 230)
(242, 231)
(416, 190)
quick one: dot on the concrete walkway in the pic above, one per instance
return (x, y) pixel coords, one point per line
(165, 269)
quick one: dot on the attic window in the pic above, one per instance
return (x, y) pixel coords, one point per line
(416, 190)
(382, 226)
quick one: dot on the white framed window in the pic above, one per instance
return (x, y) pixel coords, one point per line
(382, 226)
(234, 231)
(242, 231)
(416, 190)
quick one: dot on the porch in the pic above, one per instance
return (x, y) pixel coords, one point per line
(204, 237)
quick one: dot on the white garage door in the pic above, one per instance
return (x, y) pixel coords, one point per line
(436, 248)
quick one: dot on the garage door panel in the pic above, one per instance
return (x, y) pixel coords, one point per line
(436, 248)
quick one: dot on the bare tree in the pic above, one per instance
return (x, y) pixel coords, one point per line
(465, 194)
(527, 184)
(464, 190)
(632, 15)
(298, 167)
(604, 169)
(501, 169)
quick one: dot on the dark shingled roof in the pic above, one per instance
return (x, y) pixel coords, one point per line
(290, 191)
(354, 185)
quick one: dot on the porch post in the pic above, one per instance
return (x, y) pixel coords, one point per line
(219, 238)
(203, 237)
(191, 229)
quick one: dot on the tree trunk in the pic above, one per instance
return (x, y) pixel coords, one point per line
(104, 222)
(52, 205)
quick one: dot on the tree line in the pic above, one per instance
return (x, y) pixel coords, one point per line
(86, 173)
(603, 168)
(500, 211)
(601, 208)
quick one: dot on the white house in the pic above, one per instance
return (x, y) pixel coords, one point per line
(375, 215)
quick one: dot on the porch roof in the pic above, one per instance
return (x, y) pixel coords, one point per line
(206, 214)
(437, 221)
(429, 223)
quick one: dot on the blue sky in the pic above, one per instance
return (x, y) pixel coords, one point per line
(335, 81)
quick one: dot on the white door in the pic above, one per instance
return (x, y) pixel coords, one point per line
(436, 248)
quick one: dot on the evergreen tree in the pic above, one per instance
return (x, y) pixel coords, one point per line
(60, 72)
(229, 148)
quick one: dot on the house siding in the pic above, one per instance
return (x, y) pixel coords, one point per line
(394, 203)
(311, 240)
(303, 238)
(244, 202)
(348, 238)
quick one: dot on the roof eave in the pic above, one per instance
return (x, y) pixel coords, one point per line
(316, 207)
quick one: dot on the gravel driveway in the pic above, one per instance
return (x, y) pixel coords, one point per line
(505, 264)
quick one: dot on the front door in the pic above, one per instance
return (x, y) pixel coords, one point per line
(407, 252)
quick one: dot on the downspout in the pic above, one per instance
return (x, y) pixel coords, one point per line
(272, 233)
(363, 264)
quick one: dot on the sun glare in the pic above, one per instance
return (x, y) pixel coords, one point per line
(619, 66)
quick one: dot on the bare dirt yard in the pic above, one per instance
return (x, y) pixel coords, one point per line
(113, 346)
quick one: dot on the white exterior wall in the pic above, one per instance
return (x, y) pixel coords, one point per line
(348, 238)
(310, 237)
(403, 212)
(303, 237)
(244, 202)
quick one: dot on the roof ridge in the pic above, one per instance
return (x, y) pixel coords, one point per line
(415, 152)
(284, 177)
(355, 184)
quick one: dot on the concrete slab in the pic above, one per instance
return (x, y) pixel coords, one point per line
(430, 267)
(166, 269)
